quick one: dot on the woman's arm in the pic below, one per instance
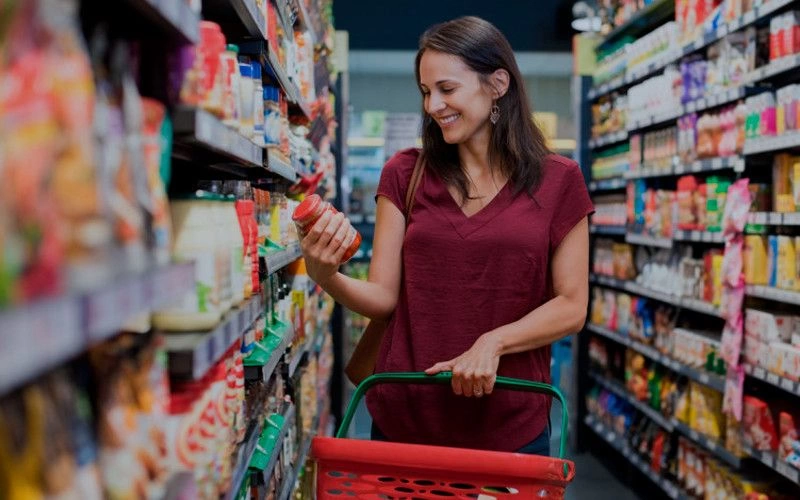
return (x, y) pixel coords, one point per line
(323, 248)
(474, 371)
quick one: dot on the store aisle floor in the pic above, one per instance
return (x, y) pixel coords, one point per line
(593, 481)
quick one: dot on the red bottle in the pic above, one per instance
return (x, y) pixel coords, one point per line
(308, 213)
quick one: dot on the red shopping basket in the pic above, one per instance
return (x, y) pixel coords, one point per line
(377, 470)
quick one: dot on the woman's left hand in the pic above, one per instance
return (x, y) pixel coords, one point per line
(475, 371)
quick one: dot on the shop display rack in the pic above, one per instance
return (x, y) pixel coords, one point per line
(621, 391)
(774, 219)
(273, 67)
(609, 230)
(769, 459)
(279, 259)
(278, 166)
(772, 144)
(608, 184)
(709, 444)
(256, 370)
(647, 240)
(698, 375)
(288, 417)
(637, 289)
(763, 375)
(609, 139)
(243, 458)
(190, 355)
(299, 464)
(30, 347)
(241, 18)
(618, 443)
(210, 139)
(173, 16)
(772, 293)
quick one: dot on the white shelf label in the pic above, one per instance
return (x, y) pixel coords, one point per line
(775, 218)
(704, 378)
(787, 470)
(694, 435)
(766, 458)
(711, 445)
(759, 372)
(749, 17)
(774, 379)
(787, 385)
(791, 219)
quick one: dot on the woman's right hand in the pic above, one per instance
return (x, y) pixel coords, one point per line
(324, 246)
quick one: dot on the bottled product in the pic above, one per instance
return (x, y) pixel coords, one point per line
(311, 209)
(195, 240)
(234, 237)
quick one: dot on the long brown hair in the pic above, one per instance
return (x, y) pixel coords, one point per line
(517, 145)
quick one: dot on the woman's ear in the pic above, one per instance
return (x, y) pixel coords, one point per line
(500, 81)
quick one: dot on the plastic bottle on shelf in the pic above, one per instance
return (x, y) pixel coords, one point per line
(233, 235)
(232, 107)
(246, 90)
(310, 210)
(258, 106)
(222, 251)
(195, 240)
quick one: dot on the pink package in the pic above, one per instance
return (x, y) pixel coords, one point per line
(791, 363)
(732, 336)
(758, 425)
(768, 326)
(734, 392)
(737, 206)
(732, 300)
(732, 263)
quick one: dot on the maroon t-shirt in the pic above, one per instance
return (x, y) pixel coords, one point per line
(462, 277)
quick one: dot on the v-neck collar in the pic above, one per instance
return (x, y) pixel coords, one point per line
(450, 209)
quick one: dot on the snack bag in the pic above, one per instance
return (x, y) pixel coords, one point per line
(736, 207)
(732, 336)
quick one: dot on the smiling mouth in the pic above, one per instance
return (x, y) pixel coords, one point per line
(449, 119)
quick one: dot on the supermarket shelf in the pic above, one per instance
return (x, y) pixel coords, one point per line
(305, 20)
(698, 236)
(608, 184)
(278, 260)
(279, 166)
(772, 144)
(291, 478)
(775, 218)
(191, 355)
(649, 121)
(709, 444)
(755, 15)
(643, 20)
(40, 336)
(265, 372)
(707, 165)
(772, 461)
(642, 407)
(637, 289)
(643, 239)
(772, 293)
(763, 375)
(708, 379)
(201, 128)
(608, 139)
(773, 69)
(273, 68)
(288, 417)
(618, 443)
(174, 16)
(715, 99)
(244, 455)
(610, 230)
(248, 18)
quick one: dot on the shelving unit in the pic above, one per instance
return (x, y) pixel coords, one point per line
(698, 375)
(618, 443)
(769, 459)
(29, 346)
(174, 16)
(192, 354)
(244, 456)
(754, 160)
(199, 135)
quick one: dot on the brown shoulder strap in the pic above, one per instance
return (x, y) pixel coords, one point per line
(416, 176)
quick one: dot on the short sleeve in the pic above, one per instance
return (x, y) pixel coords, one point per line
(395, 177)
(572, 205)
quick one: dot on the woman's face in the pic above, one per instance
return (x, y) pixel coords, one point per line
(454, 97)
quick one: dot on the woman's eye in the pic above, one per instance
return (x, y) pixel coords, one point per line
(447, 91)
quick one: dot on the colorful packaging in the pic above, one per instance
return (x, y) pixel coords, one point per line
(758, 425)
(755, 259)
(737, 207)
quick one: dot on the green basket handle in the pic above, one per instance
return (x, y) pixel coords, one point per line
(444, 378)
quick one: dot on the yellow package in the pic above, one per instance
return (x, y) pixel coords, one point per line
(754, 256)
(787, 263)
(716, 265)
(796, 181)
(796, 263)
(782, 191)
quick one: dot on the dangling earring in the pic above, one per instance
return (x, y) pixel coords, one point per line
(495, 114)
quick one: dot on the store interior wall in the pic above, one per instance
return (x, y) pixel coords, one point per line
(384, 80)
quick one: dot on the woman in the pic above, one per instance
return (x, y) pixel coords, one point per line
(493, 266)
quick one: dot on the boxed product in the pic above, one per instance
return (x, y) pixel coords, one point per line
(788, 426)
(791, 362)
(769, 327)
(755, 259)
(752, 350)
